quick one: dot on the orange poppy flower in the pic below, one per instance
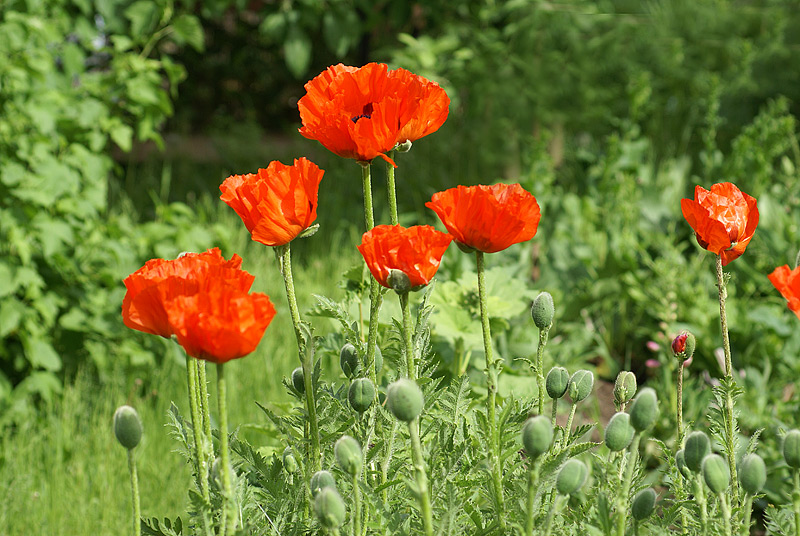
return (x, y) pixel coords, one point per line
(416, 251)
(723, 218)
(363, 112)
(159, 280)
(276, 204)
(221, 323)
(487, 218)
(787, 282)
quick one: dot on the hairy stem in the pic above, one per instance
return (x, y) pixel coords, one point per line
(551, 514)
(700, 498)
(407, 337)
(356, 507)
(392, 192)
(679, 400)
(726, 513)
(748, 507)
(228, 520)
(421, 477)
(201, 463)
(624, 492)
(565, 439)
(796, 502)
(137, 512)
(533, 478)
(540, 366)
(387, 460)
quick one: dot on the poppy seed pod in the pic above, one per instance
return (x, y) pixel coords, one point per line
(643, 504)
(543, 310)
(619, 432)
(399, 281)
(571, 477)
(644, 409)
(348, 360)
(580, 385)
(361, 394)
(298, 382)
(716, 473)
(624, 387)
(404, 399)
(329, 508)
(557, 382)
(289, 461)
(791, 449)
(680, 462)
(127, 427)
(752, 473)
(696, 448)
(321, 479)
(348, 455)
(537, 434)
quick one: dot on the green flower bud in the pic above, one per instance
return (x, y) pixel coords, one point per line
(348, 455)
(580, 385)
(404, 399)
(791, 449)
(321, 479)
(680, 461)
(643, 504)
(403, 147)
(361, 394)
(329, 508)
(696, 448)
(619, 432)
(537, 434)
(543, 310)
(348, 360)
(624, 387)
(683, 346)
(399, 281)
(127, 427)
(644, 409)
(289, 461)
(557, 382)
(752, 473)
(571, 477)
(298, 381)
(715, 473)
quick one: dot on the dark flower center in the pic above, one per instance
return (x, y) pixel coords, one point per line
(366, 113)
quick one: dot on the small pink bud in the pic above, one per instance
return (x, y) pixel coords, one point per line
(653, 346)
(652, 363)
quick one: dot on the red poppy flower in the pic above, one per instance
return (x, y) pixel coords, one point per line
(787, 282)
(415, 251)
(221, 323)
(159, 280)
(487, 218)
(723, 218)
(276, 204)
(363, 112)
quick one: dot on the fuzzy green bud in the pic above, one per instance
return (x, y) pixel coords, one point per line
(624, 387)
(752, 473)
(298, 382)
(321, 479)
(399, 281)
(643, 504)
(791, 449)
(361, 394)
(289, 461)
(348, 360)
(127, 427)
(329, 508)
(537, 434)
(348, 455)
(543, 310)
(619, 432)
(683, 345)
(696, 448)
(580, 385)
(644, 409)
(680, 462)
(557, 382)
(715, 473)
(571, 477)
(404, 399)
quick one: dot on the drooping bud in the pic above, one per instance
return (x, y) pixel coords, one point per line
(643, 504)
(683, 345)
(752, 473)
(644, 410)
(697, 447)
(329, 508)
(624, 387)
(348, 360)
(537, 434)
(680, 462)
(571, 477)
(298, 381)
(619, 432)
(361, 394)
(580, 385)
(404, 399)
(289, 461)
(127, 427)
(715, 473)
(543, 310)
(557, 382)
(321, 479)
(791, 449)
(348, 455)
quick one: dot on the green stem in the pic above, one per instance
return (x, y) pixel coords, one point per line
(540, 366)
(228, 514)
(407, 336)
(551, 513)
(700, 498)
(356, 507)
(748, 507)
(387, 460)
(375, 295)
(313, 460)
(679, 401)
(491, 385)
(565, 439)
(421, 477)
(533, 478)
(391, 190)
(554, 415)
(201, 464)
(684, 518)
(137, 513)
(726, 513)
(366, 184)
(624, 492)
(204, 409)
(796, 502)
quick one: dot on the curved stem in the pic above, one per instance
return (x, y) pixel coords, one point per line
(137, 513)
(228, 514)
(421, 477)
(569, 425)
(391, 190)
(622, 495)
(539, 366)
(551, 513)
(407, 336)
